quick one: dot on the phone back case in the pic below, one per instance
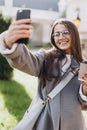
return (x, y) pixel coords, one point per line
(23, 14)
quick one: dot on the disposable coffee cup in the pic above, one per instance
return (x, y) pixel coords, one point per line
(83, 70)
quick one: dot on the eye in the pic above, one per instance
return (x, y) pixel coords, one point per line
(66, 32)
(56, 34)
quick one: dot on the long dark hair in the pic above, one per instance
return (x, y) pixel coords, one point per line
(76, 44)
(58, 54)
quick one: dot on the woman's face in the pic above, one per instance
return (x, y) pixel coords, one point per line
(62, 38)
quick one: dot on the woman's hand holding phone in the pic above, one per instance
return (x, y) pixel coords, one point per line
(19, 29)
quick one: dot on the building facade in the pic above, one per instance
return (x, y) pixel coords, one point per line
(74, 7)
(43, 17)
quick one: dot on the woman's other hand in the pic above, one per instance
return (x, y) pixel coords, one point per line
(17, 30)
(84, 84)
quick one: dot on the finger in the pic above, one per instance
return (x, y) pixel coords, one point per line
(21, 34)
(18, 32)
(14, 28)
(23, 26)
(84, 83)
(85, 75)
(15, 35)
(22, 21)
(14, 38)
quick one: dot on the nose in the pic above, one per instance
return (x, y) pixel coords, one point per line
(61, 36)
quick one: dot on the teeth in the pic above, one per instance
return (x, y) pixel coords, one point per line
(63, 42)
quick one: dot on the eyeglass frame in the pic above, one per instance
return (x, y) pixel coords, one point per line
(55, 34)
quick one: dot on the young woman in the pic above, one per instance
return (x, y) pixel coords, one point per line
(64, 112)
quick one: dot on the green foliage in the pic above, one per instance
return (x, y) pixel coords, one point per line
(15, 101)
(4, 23)
(15, 97)
(6, 71)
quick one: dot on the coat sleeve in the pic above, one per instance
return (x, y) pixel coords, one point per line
(20, 57)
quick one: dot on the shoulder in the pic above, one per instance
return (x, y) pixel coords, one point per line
(44, 52)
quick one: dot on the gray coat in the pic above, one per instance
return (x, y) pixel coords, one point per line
(64, 112)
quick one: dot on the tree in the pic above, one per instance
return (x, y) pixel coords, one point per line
(6, 72)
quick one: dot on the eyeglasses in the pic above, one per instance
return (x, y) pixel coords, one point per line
(64, 33)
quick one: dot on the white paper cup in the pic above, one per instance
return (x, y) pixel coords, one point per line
(83, 70)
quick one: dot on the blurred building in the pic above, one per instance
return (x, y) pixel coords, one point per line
(75, 9)
(43, 14)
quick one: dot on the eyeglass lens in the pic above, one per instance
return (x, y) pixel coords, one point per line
(64, 33)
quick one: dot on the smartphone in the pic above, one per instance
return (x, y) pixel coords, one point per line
(23, 14)
(83, 70)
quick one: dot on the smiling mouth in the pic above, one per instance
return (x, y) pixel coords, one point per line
(63, 42)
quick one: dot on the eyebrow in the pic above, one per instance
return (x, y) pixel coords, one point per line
(61, 31)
